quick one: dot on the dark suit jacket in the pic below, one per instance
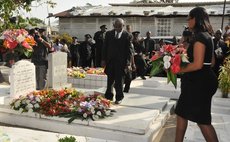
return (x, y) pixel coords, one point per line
(117, 50)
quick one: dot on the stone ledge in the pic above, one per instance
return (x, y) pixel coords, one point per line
(60, 125)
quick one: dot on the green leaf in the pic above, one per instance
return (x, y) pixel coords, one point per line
(157, 67)
(71, 119)
(172, 77)
(28, 53)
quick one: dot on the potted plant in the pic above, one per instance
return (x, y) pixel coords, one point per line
(224, 78)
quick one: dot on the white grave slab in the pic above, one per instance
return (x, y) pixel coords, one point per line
(145, 101)
(22, 78)
(57, 73)
(125, 118)
(155, 86)
(27, 135)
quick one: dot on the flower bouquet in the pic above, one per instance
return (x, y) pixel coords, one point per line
(67, 103)
(76, 72)
(97, 71)
(19, 40)
(170, 59)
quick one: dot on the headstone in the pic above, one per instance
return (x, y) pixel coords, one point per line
(22, 78)
(57, 70)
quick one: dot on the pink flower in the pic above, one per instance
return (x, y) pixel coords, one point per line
(154, 57)
(26, 45)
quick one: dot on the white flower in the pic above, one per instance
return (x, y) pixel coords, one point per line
(167, 65)
(95, 117)
(20, 38)
(30, 110)
(108, 112)
(23, 101)
(21, 110)
(17, 104)
(184, 58)
(99, 113)
(30, 106)
(79, 110)
(37, 99)
(27, 101)
(36, 105)
(85, 115)
(92, 110)
(166, 58)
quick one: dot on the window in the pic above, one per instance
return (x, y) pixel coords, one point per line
(163, 27)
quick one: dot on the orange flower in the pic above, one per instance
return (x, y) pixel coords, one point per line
(30, 40)
(10, 44)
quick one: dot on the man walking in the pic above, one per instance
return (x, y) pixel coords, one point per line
(116, 58)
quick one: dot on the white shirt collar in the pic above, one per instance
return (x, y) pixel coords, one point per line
(119, 34)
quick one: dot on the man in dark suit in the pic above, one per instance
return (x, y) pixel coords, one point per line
(116, 58)
(149, 45)
(99, 40)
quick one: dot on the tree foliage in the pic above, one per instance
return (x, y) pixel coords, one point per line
(9, 7)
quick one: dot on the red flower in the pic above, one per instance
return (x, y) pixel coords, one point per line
(10, 44)
(176, 60)
(168, 48)
(62, 93)
(175, 69)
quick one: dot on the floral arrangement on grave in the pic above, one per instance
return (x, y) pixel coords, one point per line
(19, 40)
(68, 103)
(76, 72)
(169, 59)
(98, 71)
(224, 78)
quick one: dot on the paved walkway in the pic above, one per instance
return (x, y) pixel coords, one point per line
(221, 122)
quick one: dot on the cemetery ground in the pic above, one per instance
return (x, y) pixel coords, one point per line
(145, 115)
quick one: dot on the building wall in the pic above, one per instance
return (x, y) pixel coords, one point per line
(158, 26)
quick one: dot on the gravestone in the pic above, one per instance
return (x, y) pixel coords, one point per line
(57, 70)
(22, 78)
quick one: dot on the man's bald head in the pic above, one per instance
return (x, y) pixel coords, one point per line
(118, 24)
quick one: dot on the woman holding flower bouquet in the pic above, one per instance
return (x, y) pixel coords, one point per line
(198, 82)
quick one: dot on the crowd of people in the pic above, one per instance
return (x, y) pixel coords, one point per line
(125, 55)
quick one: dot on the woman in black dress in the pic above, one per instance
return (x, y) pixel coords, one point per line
(198, 83)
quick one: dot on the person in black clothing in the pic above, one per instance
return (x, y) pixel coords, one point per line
(141, 66)
(220, 51)
(39, 58)
(198, 81)
(131, 73)
(149, 44)
(74, 51)
(86, 51)
(42, 34)
(116, 58)
(99, 40)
